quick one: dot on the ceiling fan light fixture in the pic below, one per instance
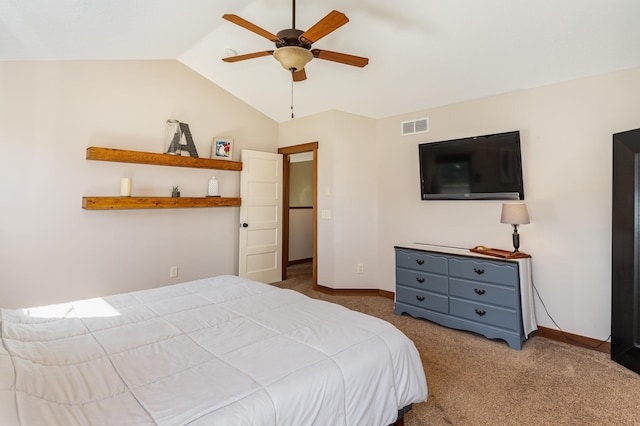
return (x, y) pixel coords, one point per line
(293, 57)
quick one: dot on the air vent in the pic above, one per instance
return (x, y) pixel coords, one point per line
(412, 127)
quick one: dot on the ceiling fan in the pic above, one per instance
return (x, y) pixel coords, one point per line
(293, 46)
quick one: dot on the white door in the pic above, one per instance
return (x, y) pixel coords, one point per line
(260, 249)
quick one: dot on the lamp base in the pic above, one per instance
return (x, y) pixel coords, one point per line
(504, 254)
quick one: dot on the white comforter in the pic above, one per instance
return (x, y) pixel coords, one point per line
(218, 351)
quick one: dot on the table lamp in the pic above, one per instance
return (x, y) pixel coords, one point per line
(515, 214)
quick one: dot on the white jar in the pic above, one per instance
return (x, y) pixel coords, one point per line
(213, 187)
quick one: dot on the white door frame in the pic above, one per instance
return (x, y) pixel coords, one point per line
(286, 151)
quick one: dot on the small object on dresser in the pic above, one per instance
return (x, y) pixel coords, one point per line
(213, 190)
(515, 214)
(125, 187)
(175, 192)
(504, 254)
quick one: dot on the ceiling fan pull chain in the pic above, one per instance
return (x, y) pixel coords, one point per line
(292, 115)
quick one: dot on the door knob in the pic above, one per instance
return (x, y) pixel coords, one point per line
(244, 225)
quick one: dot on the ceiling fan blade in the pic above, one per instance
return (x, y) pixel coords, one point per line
(326, 25)
(343, 58)
(247, 56)
(299, 75)
(251, 27)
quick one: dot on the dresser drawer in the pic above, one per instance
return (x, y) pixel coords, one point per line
(421, 261)
(422, 280)
(485, 314)
(422, 299)
(483, 293)
(482, 270)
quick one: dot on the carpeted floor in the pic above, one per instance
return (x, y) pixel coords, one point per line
(476, 381)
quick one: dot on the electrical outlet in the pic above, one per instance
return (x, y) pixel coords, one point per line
(173, 272)
(360, 268)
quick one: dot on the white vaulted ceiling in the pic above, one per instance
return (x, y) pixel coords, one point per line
(423, 53)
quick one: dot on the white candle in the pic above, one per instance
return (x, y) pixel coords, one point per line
(125, 187)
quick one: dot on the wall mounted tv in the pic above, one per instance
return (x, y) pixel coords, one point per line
(485, 167)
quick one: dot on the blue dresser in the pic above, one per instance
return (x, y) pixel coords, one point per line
(464, 292)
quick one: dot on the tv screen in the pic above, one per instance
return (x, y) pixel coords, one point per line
(485, 167)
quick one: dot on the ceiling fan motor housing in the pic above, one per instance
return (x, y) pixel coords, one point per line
(292, 53)
(291, 37)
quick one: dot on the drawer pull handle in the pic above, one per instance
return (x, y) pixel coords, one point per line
(419, 261)
(420, 298)
(420, 279)
(478, 271)
(479, 291)
(480, 312)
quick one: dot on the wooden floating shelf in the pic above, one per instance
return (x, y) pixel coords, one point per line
(116, 203)
(124, 156)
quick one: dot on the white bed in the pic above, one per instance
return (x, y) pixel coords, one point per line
(217, 351)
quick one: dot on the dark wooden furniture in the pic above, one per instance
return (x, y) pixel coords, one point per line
(625, 264)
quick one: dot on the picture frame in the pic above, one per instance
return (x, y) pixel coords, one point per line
(222, 148)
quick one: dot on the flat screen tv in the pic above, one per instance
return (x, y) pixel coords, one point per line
(485, 167)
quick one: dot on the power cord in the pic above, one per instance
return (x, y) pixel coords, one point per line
(561, 330)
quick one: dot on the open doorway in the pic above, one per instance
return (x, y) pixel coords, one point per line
(299, 210)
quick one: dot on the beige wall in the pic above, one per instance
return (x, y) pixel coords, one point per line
(301, 219)
(566, 131)
(317, 128)
(50, 248)
(300, 234)
(301, 184)
(347, 190)
(369, 179)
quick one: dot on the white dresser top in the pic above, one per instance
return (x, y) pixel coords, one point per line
(452, 250)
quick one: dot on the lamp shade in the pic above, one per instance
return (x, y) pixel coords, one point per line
(293, 57)
(514, 214)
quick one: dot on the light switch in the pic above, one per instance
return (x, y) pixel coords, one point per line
(325, 214)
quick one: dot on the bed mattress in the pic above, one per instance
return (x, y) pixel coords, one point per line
(222, 350)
